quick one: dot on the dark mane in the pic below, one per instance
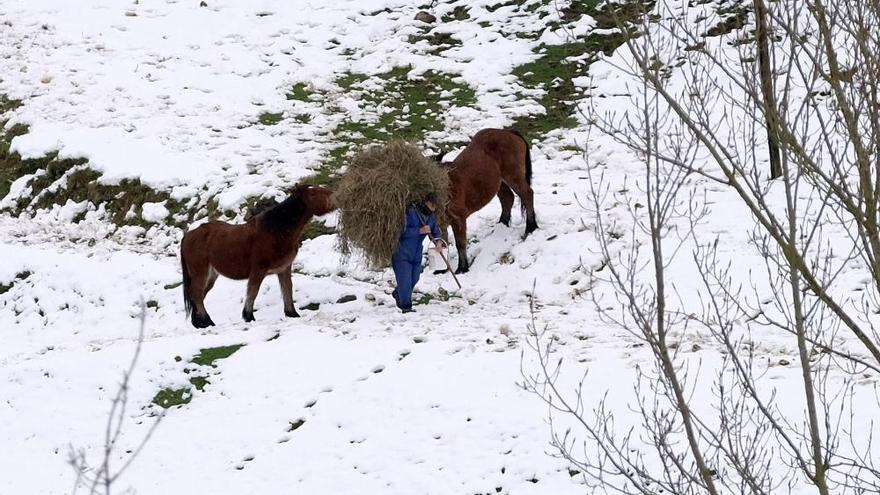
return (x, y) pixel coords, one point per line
(282, 217)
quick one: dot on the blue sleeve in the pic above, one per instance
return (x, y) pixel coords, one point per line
(411, 224)
(435, 231)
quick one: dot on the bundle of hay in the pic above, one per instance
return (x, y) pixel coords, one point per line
(373, 193)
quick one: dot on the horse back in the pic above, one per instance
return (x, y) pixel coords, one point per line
(225, 247)
(492, 157)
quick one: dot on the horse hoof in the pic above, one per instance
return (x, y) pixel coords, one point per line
(248, 317)
(462, 270)
(291, 314)
(202, 321)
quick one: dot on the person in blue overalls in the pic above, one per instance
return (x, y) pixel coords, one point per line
(407, 258)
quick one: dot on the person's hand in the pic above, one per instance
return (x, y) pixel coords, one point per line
(439, 244)
(424, 229)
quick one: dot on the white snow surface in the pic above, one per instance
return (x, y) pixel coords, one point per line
(429, 402)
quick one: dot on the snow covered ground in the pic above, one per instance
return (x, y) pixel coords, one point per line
(171, 92)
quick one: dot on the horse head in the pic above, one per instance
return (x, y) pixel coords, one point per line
(317, 199)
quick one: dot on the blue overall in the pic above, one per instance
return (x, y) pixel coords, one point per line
(407, 258)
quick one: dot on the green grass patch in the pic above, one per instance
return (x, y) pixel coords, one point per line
(556, 67)
(270, 118)
(407, 109)
(605, 15)
(316, 229)
(509, 3)
(73, 180)
(327, 174)
(734, 16)
(459, 13)
(199, 382)
(54, 181)
(299, 92)
(207, 356)
(440, 42)
(4, 288)
(11, 166)
(170, 397)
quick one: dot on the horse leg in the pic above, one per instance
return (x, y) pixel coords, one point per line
(505, 195)
(198, 289)
(459, 229)
(212, 277)
(253, 287)
(285, 280)
(526, 198)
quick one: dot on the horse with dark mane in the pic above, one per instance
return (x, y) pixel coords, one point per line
(497, 162)
(266, 244)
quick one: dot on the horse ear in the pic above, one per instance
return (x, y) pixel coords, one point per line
(298, 187)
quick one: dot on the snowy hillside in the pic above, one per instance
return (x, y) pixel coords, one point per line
(127, 122)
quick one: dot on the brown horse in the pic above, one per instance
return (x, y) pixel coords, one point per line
(496, 162)
(266, 244)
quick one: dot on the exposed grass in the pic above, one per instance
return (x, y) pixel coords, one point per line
(407, 108)
(299, 92)
(605, 15)
(54, 181)
(327, 174)
(270, 118)
(170, 397)
(123, 201)
(557, 65)
(459, 13)
(4, 288)
(206, 357)
(734, 16)
(316, 229)
(11, 167)
(439, 41)
(508, 3)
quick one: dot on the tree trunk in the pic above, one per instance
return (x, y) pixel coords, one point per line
(770, 111)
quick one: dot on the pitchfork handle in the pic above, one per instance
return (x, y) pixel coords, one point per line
(449, 268)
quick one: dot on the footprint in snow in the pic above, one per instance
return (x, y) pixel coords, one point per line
(243, 462)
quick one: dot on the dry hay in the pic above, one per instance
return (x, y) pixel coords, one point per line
(373, 193)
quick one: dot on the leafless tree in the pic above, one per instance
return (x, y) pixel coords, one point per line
(701, 104)
(101, 478)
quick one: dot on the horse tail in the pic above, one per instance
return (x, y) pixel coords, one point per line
(528, 156)
(187, 281)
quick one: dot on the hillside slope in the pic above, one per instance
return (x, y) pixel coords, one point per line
(127, 124)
